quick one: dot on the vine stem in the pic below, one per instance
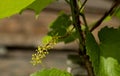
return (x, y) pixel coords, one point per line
(77, 24)
(83, 5)
(104, 16)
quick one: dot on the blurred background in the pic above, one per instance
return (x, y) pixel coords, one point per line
(21, 34)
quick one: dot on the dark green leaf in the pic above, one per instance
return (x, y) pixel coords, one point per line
(110, 51)
(71, 37)
(110, 42)
(60, 25)
(93, 51)
(60, 28)
(63, 21)
(39, 5)
(58, 32)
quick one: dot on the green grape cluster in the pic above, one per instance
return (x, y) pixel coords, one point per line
(42, 51)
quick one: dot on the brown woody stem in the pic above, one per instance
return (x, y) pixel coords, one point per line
(103, 17)
(77, 24)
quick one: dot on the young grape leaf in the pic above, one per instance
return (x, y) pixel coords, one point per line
(71, 37)
(39, 5)
(60, 25)
(11, 7)
(108, 18)
(60, 28)
(44, 72)
(117, 12)
(51, 72)
(107, 55)
(46, 39)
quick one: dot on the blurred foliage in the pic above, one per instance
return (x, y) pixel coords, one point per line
(11, 7)
(117, 12)
(51, 72)
(39, 5)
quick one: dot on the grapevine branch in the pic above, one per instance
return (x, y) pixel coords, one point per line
(82, 50)
(83, 5)
(104, 16)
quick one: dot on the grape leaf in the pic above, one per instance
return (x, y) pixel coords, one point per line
(93, 51)
(107, 54)
(60, 25)
(11, 7)
(71, 37)
(108, 18)
(51, 72)
(39, 5)
(110, 52)
(44, 72)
